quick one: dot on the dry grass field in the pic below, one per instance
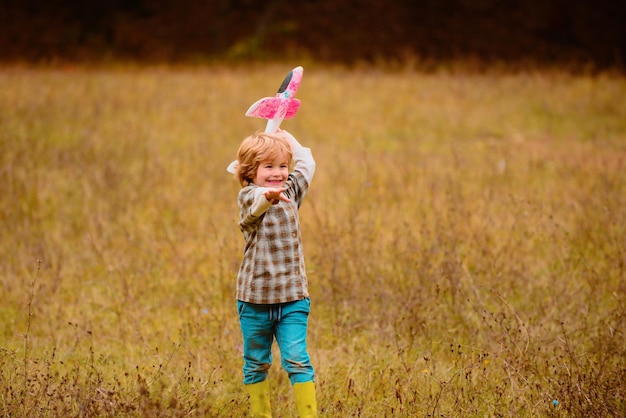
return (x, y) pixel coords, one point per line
(465, 237)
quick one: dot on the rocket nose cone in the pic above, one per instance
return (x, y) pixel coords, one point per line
(285, 83)
(297, 73)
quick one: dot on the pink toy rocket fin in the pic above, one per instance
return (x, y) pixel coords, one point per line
(267, 108)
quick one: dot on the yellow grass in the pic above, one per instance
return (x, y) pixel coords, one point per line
(465, 241)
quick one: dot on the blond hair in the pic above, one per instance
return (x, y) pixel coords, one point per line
(256, 149)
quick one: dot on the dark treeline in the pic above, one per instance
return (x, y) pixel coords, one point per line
(556, 31)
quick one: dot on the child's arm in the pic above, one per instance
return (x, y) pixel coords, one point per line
(302, 156)
(264, 197)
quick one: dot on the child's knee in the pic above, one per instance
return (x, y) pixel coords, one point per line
(255, 372)
(299, 370)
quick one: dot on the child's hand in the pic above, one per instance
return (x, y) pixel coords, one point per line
(289, 137)
(286, 134)
(276, 195)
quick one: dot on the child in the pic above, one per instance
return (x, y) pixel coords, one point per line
(272, 295)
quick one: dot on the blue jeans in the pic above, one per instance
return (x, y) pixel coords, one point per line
(287, 322)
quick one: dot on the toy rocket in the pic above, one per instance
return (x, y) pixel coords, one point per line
(275, 109)
(282, 106)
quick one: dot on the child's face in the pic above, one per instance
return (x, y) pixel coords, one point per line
(272, 173)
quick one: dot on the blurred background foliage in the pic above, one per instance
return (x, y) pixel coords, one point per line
(581, 32)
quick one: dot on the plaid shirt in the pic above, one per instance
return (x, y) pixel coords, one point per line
(272, 270)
